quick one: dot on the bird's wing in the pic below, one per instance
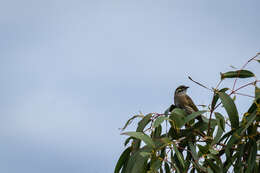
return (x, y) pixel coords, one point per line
(191, 104)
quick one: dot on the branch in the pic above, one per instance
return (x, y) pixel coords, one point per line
(251, 59)
(199, 83)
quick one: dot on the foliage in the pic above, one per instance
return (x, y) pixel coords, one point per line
(221, 143)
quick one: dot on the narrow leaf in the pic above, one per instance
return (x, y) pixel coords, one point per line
(237, 74)
(216, 97)
(159, 121)
(130, 120)
(252, 158)
(127, 140)
(249, 121)
(257, 93)
(179, 155)
(144, 122)
(156, 165)
(193, 152)
(141, 125)
(193, 116)
(234, 138)
(231, 109)
(218, 136)
(178, 115)
(220, 120)
(124, 156)
(203, 149)
(167, 168)
(137, 162)
(141, 136)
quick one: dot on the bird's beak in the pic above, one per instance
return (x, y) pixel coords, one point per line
(186, 87)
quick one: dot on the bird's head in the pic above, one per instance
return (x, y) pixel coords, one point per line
(181, 90)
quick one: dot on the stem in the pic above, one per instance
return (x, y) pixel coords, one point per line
(234, 91)
(219, 83)
(243, 68)
(199, 83)
(242, 94)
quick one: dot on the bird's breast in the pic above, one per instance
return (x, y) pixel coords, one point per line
(180, 100)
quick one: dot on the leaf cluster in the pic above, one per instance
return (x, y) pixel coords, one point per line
(176, 142)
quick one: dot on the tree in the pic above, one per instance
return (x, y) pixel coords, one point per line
(220, 143)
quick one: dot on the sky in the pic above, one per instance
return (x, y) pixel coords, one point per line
(73, 72)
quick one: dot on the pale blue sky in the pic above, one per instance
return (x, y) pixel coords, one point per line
(72, 72)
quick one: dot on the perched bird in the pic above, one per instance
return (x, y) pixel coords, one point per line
(183, 101)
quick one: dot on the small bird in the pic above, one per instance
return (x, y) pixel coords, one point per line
(183, 101)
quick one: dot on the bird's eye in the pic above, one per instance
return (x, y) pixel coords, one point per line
(179, 90)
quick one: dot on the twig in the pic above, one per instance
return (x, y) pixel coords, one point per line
(199, 83)
(243, 68)
(234, 91)
(251, 83)
(219, 83)
(242, 94)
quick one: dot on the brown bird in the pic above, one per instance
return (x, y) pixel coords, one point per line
(183, 101)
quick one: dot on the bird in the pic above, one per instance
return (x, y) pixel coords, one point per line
(183, 101)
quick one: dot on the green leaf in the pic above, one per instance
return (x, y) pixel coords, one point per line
(173, 161)
(141, 125)
(221, 128)
(177, 116)
(203, 149)
(127, 140)
(238, 164)
(157, 132)
(252, 158)
(167, 168)
(209, 170)
(193, 116)
(220, 120)
(124, 156)
(137, 162)
(156, 165)
(216, 97)
(213, 166)
(163, 141)
(144, 122)
(237, 74)
(179, 155)
(159, 121)
(144, 154)
(193, 152)
(213, 151)
(130, 121)
(231, 109)
(226, 135)
(257, 93)
(217, 136)
(229, 161)
(249, 121)
(234, 138)
(141, 136)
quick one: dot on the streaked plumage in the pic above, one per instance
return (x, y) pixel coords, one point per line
(183, 101)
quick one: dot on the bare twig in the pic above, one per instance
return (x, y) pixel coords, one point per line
(199, 83)
(218, 84)
(242, 94)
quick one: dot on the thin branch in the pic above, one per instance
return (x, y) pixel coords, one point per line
(251, 83)
(219, 83)
(234, 91)
(251, 59)
(242, 94)
(199, 83)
